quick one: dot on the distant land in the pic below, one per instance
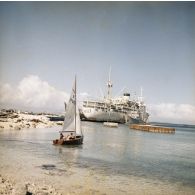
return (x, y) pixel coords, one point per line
(17, 119)
(172, 125)
(8, 119)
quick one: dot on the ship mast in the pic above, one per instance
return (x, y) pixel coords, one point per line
(109, 84)
(141, 95)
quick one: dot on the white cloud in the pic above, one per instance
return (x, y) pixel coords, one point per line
(32, 93)
(173, 113)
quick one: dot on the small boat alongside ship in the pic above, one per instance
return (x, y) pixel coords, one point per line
(72, 131)
(110, 124)
(121, 109)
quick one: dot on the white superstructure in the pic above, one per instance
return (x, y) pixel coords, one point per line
(120, 109)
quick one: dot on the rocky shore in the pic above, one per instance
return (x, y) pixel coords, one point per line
(16, 120)
(10, 188)
(6, 187)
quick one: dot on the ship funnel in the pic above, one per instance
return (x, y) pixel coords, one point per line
(126, 96)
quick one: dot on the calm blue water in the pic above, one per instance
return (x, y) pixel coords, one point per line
(110, 151)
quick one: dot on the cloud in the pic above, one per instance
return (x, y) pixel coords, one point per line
(173, 113)
(32, 93)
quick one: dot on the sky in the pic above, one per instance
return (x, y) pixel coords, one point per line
(146, 44)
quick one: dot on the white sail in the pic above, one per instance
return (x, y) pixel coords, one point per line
(72, 114)
(78, 122)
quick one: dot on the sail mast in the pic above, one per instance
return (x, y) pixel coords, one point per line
(75, 105)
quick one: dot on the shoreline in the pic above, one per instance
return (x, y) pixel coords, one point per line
(8, 186)
(13, 120)
(134, 186)
(30, 165)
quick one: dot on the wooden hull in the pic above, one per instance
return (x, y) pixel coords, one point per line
(75, 141)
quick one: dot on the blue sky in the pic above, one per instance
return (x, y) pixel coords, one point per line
(148, 44)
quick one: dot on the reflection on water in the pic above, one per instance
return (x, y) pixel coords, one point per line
(109, 152)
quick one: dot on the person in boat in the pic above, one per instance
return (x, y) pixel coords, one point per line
(70, 136)
(61, 136)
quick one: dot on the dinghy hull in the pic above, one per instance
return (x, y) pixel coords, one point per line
(78, 140)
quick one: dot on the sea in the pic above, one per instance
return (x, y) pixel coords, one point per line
(110, 161)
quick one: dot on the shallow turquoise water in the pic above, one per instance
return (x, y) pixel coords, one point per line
(120, 152)
(168, 157)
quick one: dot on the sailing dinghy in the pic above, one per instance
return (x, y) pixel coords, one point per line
(72, 132)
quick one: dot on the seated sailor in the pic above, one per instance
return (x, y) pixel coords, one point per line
(61, 136)
(70, 136)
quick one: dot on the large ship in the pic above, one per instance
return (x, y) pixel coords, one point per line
(122, 109)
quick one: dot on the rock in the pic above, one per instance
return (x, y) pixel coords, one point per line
(3, 120)
(6, 187)
(17, 128)
(36, 121)
(28, 193)
(34, 125)
(19, 120)
(40, 190)
(27, 125)
(59, 123)
(4, 115)
(12, 116)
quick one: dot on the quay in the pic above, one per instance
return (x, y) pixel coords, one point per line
(150, 128)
